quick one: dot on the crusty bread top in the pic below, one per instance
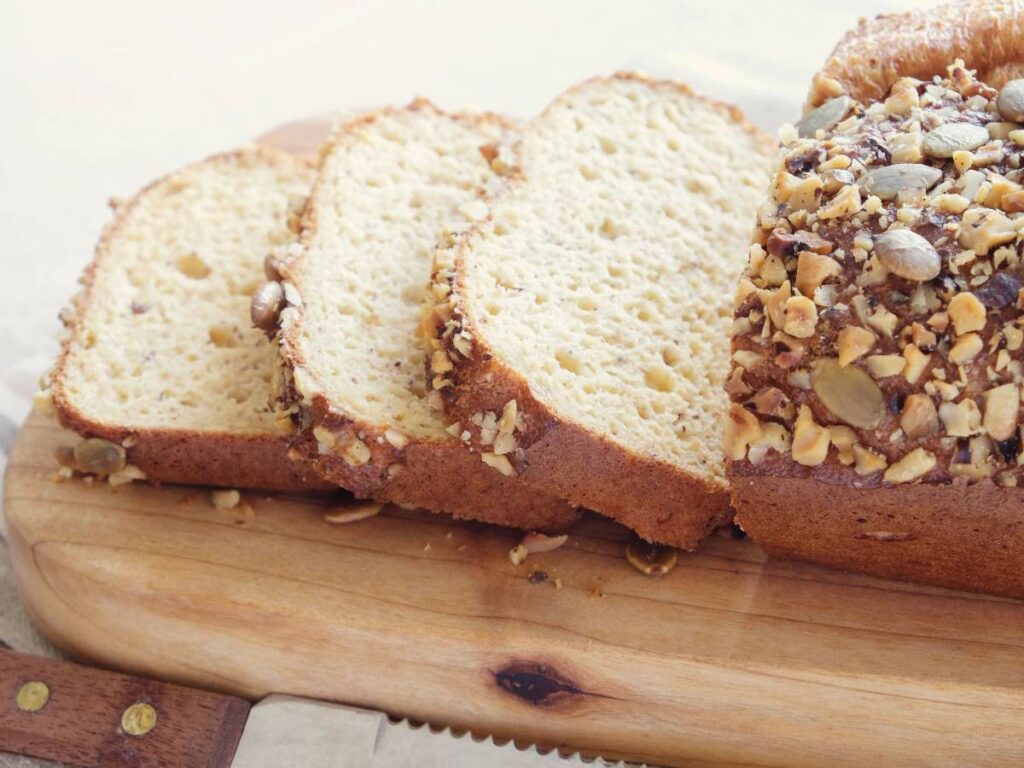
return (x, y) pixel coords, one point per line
(879, 333)
(160, 338)
(387, 184)
(601, 277)
(987, 34)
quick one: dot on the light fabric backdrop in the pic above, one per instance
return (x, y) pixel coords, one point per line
(97, 98)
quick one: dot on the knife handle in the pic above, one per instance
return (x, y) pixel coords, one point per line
(93, 718)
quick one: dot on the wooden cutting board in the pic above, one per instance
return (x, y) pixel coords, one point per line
(727, 660)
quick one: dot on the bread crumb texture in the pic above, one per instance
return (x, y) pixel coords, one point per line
(162, 338)
(603, 278)
(879, 325)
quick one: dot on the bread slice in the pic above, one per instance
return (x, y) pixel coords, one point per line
(159, 353)
(353, 372)
(582, 341)
(876, 420)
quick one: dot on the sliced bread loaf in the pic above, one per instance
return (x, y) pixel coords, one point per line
(583, 339)
(353, 373)
(159, 354)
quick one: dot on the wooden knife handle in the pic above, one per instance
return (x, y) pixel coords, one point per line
(90, 717)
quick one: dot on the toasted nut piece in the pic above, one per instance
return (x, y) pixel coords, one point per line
(810, 440)
(351, 513)
(1012, 202)
(538, 543)
(884, 366)
(775, 303)
(888, 181)
(782, 243)
(868, 462)
(961, 419)
(883, 321)
(916, 362)
(907, 254)
(773, 437)
(225, 499)
(967, 313)
(99, 457)
(499, 462)
(915, 464)
(518, 554)
(801, 317)
(953, 137)
(966, 348)
(356, 453)
(1010, 101)
(825, 117)
(1002, 410)
(854, 342)
(849, 393)
(772, 401)
(813, 269)
(982, 230)
(741, 429)
(651, 559)
(846, 203)
(980, 464)
(805, 194)
(919, 417)
(266, 306)
(397, 439)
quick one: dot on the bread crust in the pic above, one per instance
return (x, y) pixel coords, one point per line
(987, 34)
(656, 499)
(959, 536)
(170, 455)
(431, 474)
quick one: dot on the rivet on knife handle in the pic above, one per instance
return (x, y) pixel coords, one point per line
(89, 717)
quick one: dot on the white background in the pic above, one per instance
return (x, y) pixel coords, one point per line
(97, 97)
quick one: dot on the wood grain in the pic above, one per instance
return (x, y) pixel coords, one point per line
(80, 723)
(727, 660)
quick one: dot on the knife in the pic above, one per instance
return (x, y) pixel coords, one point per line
(93, 718)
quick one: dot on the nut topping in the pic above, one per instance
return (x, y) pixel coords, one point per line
(907, 254)
(915, 464)
(825, 117)
(982, 230)
(967, 313)
(919, 418)
(810, 440)
(887, 181)
(953, 137)
(1002, 407)
(849, 393)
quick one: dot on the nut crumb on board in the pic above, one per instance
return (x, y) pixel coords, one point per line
(225, 499)
(351, 513)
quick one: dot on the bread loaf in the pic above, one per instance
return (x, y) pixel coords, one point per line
(875, 422)
(579, 340)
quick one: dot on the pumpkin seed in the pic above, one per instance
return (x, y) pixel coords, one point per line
(825, 117)
(953, 137)
(907, 254)
(887, 181)
(1011, 101)
(849, 393)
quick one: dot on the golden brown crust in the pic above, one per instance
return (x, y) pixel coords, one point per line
(431, 474)
(657, 499)
(172, 455)
(987, 34)
(963, 537)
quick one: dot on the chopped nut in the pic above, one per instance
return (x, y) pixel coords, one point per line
(868, 462)
(846, 203)
(919, 418)
(518, 554)
(498, 462)
(782, 243)
(810, 440)
(966, 348)
(801, 317)
(356, 453)
(884, 366)
(961, 419)
(966, 313)
(915, 464)
(741, 429)
(747, 358)
(883, 321)
(849, 393)
(351, 513)
(651, 559)
(225, 499)
(854, 342)
(1002, 407)
(538, 543)
(982, 230)
(813, 269)
(772, 401)
(916, 362)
